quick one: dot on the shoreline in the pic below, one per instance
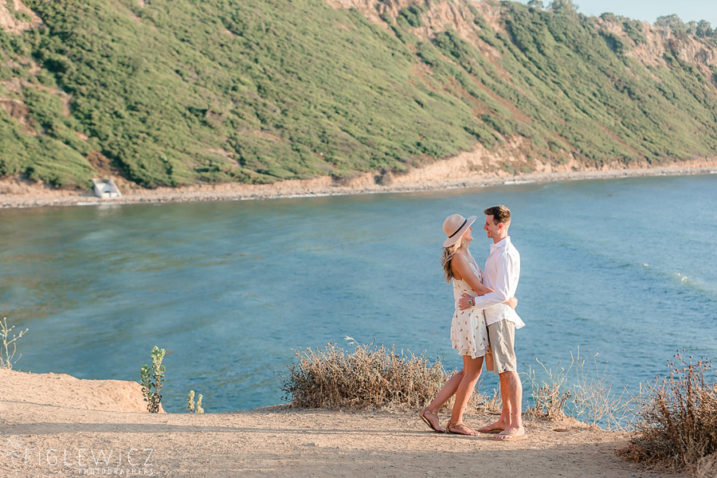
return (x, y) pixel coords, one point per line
(444, 175)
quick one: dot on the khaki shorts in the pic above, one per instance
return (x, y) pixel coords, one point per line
(502, 340)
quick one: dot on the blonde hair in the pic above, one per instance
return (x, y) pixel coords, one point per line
(448, 253)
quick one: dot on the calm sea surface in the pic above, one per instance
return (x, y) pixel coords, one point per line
(624, 268)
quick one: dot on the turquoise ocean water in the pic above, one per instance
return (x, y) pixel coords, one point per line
(624, 268)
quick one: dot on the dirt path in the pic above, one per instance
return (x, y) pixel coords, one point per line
(39, 439)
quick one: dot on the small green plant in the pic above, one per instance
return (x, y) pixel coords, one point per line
(194, 407)
(9, 344)
(152, 379)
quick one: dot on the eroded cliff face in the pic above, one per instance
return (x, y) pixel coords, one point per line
(15, 17)
(461, 16)
(436, 16)
(658, 41)
(631, 41)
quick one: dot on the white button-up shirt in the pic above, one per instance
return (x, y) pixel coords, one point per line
(501, 273)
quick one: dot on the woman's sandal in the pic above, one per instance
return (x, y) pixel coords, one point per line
(460, 429)
(431, 419)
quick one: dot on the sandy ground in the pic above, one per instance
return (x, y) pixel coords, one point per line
(457, 172)
(58, 425)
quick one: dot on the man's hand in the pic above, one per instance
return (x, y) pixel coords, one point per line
(465, 301)
(512, 302)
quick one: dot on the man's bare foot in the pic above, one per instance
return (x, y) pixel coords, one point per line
(512, 433)
(493, 427)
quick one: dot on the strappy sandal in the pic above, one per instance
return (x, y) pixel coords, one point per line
(460, 429)
(431, 419)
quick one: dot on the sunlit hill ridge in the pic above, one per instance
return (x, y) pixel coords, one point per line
(176, 92)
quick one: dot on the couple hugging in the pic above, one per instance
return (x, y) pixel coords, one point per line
(483, 324)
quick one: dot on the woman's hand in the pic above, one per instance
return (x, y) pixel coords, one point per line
(465, 301)
(512, 302)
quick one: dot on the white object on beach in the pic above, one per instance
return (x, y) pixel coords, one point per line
(106, 189)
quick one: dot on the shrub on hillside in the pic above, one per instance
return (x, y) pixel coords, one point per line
(368, 377)
(678, 422)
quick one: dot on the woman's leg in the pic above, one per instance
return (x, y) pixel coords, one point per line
(446, 392)
(471, 373)
(430, 413)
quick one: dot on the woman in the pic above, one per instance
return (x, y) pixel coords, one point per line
(468, 331)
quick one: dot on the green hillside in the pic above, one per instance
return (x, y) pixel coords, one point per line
(178, 92)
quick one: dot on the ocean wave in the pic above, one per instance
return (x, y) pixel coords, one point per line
(695, 284)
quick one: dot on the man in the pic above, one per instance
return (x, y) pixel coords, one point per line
(501, 273)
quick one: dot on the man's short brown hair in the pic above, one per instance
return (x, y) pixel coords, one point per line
(499, 213)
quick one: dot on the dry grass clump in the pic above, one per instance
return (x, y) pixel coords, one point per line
(580, 390)
(678, 422)
(368, 377)
(549, 395)
(594, 400)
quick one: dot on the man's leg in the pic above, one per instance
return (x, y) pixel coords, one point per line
(511, 386)
(512, 393)
(505, 410)
(502, 337)
(505, 402)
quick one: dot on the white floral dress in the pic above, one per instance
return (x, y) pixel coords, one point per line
(469, 334)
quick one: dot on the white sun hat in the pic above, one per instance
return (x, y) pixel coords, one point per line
(455, 226)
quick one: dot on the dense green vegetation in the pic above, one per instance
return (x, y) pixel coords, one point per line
(177, 92)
